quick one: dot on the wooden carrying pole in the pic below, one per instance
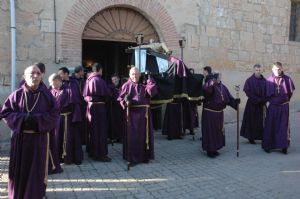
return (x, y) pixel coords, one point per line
(237, 89)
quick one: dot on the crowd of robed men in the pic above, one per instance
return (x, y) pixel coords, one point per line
(49, 125)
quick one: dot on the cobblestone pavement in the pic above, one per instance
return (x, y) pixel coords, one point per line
(182, 170)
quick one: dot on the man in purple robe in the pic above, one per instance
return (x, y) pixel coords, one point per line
(31, 113)
(135, 97)
(254, 115)
(116, 112)
(216, 98)
(96, 94)
(78, 77)
(73, 118)
(279, 91)
(58, 139)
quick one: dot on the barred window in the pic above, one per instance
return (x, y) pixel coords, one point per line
(295, 21)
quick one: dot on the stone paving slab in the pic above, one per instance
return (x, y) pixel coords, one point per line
(182, 170)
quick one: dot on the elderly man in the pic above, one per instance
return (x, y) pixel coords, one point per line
(96, 94)
(253, 120)
(279, 91)
(217, 97)
(139, 140)
(31, 113)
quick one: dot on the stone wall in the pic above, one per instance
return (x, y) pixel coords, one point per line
(230, 35)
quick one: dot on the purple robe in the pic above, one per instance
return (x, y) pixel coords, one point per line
(28, 164)
(253, 120)
(72, 115)
(217, 97)
(116, 115)
(138, 141)
(156, 112)
(95, 94)
(277, 129)
(83, 126)
(172, 126)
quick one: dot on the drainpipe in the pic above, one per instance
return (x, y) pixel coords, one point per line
(55, 33)
(13, 44)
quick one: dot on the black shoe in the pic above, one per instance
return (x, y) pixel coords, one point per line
(55, 171)
(211, 154)
(267, 150)
(252, 141)
(103, 159)
(78, 163)
(146, 161)
(216, 153)
(131, 164)
(285, 151)
(191, 131)
(169, 138)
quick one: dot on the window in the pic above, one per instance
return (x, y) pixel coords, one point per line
(294, 21)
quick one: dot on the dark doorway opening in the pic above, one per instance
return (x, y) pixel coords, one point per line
(110, 54)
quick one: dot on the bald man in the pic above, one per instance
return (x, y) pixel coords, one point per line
(138, 141)
(31, 113)
(279, 91)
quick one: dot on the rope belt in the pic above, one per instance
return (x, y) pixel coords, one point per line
(51, 158)
(65, 133)
(147, 121)
(29, 131)
(96, 102)
(207, 109)
(47, 160)
(285, 103)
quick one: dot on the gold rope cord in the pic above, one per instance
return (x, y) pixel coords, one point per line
(96, 102)
(51, 158)
(264, 115)
(34, 104)
(207, 109)
(47, 161)
(65, 133)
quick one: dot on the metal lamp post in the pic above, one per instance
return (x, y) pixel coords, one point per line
(182, 43)
(139, 37)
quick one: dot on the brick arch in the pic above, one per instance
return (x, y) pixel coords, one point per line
(82, 11)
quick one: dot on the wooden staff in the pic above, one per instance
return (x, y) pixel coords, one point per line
(237, 89)
(128, 125)
(111, 123)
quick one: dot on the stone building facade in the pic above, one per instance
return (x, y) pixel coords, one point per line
(229, 35)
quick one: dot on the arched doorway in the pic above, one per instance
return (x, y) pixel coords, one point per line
(109, 33)
(82, 11)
